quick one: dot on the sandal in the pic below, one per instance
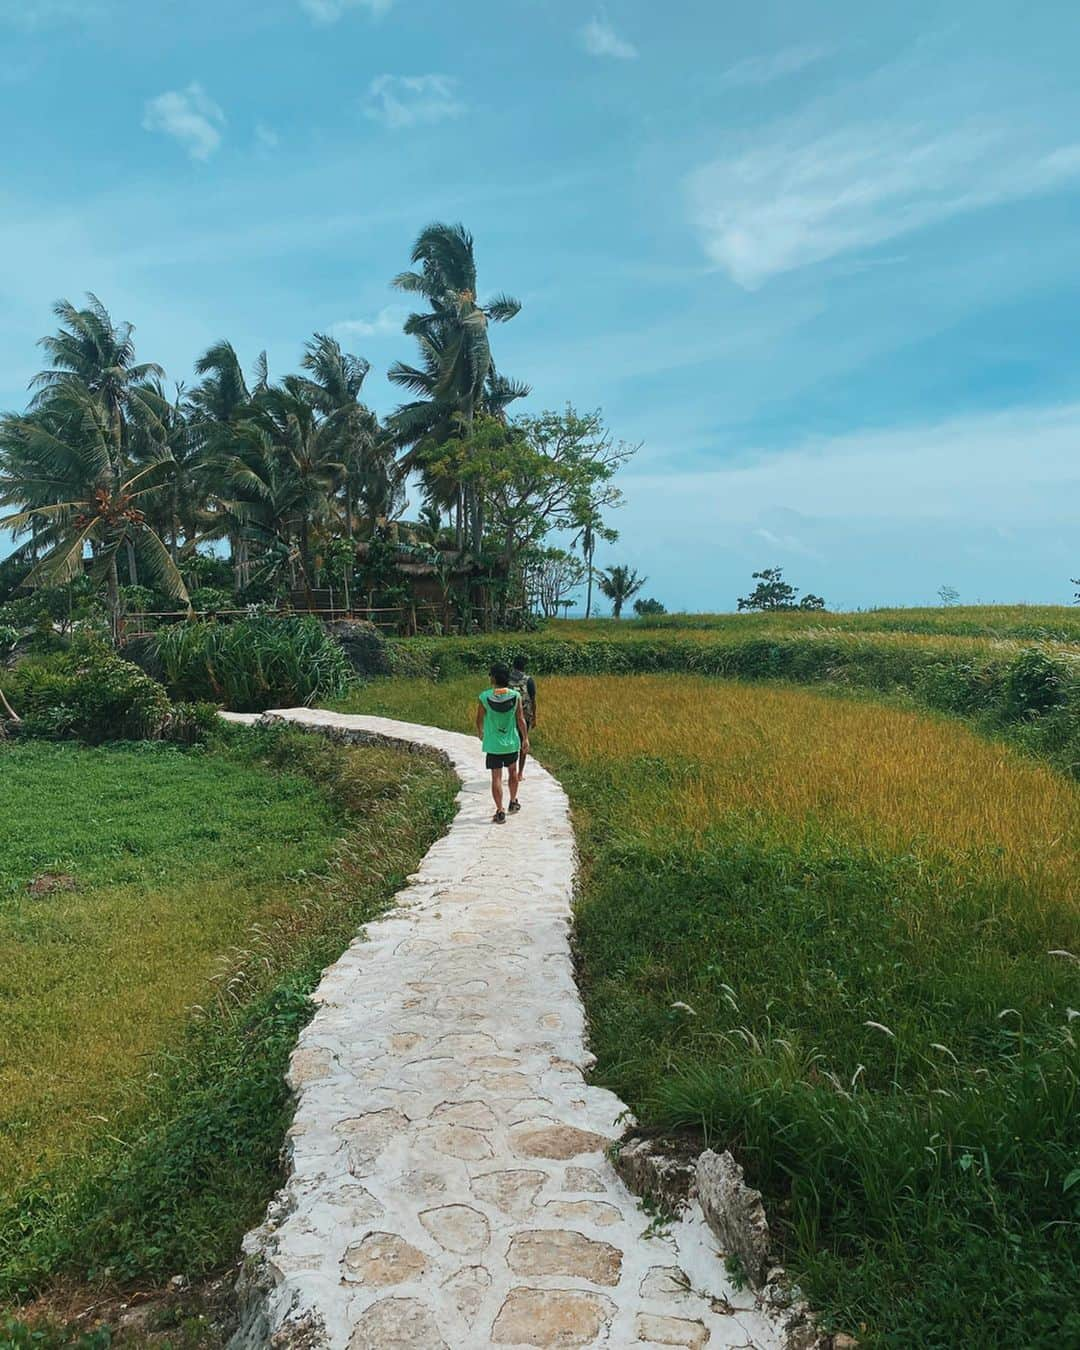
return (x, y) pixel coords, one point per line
(499, 818)
(515, 806)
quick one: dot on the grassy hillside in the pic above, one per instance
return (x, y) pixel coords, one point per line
(829, 935)
(163, 917)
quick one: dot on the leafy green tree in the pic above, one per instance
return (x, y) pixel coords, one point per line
(773, 592)
(648, 608)
(620, 584)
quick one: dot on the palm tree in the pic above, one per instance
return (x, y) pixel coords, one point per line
(180, 510)
(620, 584)
(456, 371)
(337, 379)
(59, 466)
(285, 470)
(217, 403)
(93, 352)
(591, 529)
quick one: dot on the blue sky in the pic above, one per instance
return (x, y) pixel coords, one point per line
(822, 260)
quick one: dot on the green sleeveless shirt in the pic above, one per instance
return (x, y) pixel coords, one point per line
(500, 722)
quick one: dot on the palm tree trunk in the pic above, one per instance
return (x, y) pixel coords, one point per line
(113, 588)
(590, 549)
(133, 571)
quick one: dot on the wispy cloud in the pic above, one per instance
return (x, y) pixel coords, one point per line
(800, 196)
(774, 66)
(389, 320)
(600, 39)
(190, 116)
(409, 100)
(329, 11)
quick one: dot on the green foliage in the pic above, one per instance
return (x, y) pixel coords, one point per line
(645, 609)
(16, 1335)
(772, 592)
(252, 664)
(9, 636)
(210, 598)
(87, 692)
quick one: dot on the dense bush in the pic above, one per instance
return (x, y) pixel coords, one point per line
(87, 692)
(1033, 692)
(250, 665)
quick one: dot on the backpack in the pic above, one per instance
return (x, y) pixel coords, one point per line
(519, 680)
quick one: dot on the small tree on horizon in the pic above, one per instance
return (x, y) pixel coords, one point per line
(772, 592)
(644, 608)
(619, 584)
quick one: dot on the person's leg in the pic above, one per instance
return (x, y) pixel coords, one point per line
(497, 788)
(515, 778)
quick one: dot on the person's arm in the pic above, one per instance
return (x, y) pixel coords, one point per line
(480, 719)
(531, 686)
(523, 730)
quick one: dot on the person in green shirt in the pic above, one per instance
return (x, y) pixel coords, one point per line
(500, 724)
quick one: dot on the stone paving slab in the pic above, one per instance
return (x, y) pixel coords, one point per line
(449, 1183)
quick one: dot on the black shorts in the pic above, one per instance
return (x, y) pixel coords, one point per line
(502, 761)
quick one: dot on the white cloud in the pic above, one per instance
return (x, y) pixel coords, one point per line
(329, 11)
(190, 116)
(408, 100)
(600, 39)
(1008, 469)
(764, 69)
(389, 320)
(800, 196)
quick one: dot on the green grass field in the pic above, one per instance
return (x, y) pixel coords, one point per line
(149, 1005)
(1054, 623)
(860, 905)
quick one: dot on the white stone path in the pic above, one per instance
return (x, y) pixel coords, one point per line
(449, 1183)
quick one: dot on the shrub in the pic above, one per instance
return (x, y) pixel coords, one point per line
(191, 723)
(8, 638)
(204, 598)
(253, 664)
(87, 692)
(1034, 684)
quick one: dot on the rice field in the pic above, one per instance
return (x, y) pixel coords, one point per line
(1057, 623)
(841, 939)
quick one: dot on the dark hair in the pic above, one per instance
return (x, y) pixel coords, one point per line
(521, 662)
(500, 674)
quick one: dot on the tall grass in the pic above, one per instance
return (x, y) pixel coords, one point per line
(250, 665)
(872, 916)
(1027, 692)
